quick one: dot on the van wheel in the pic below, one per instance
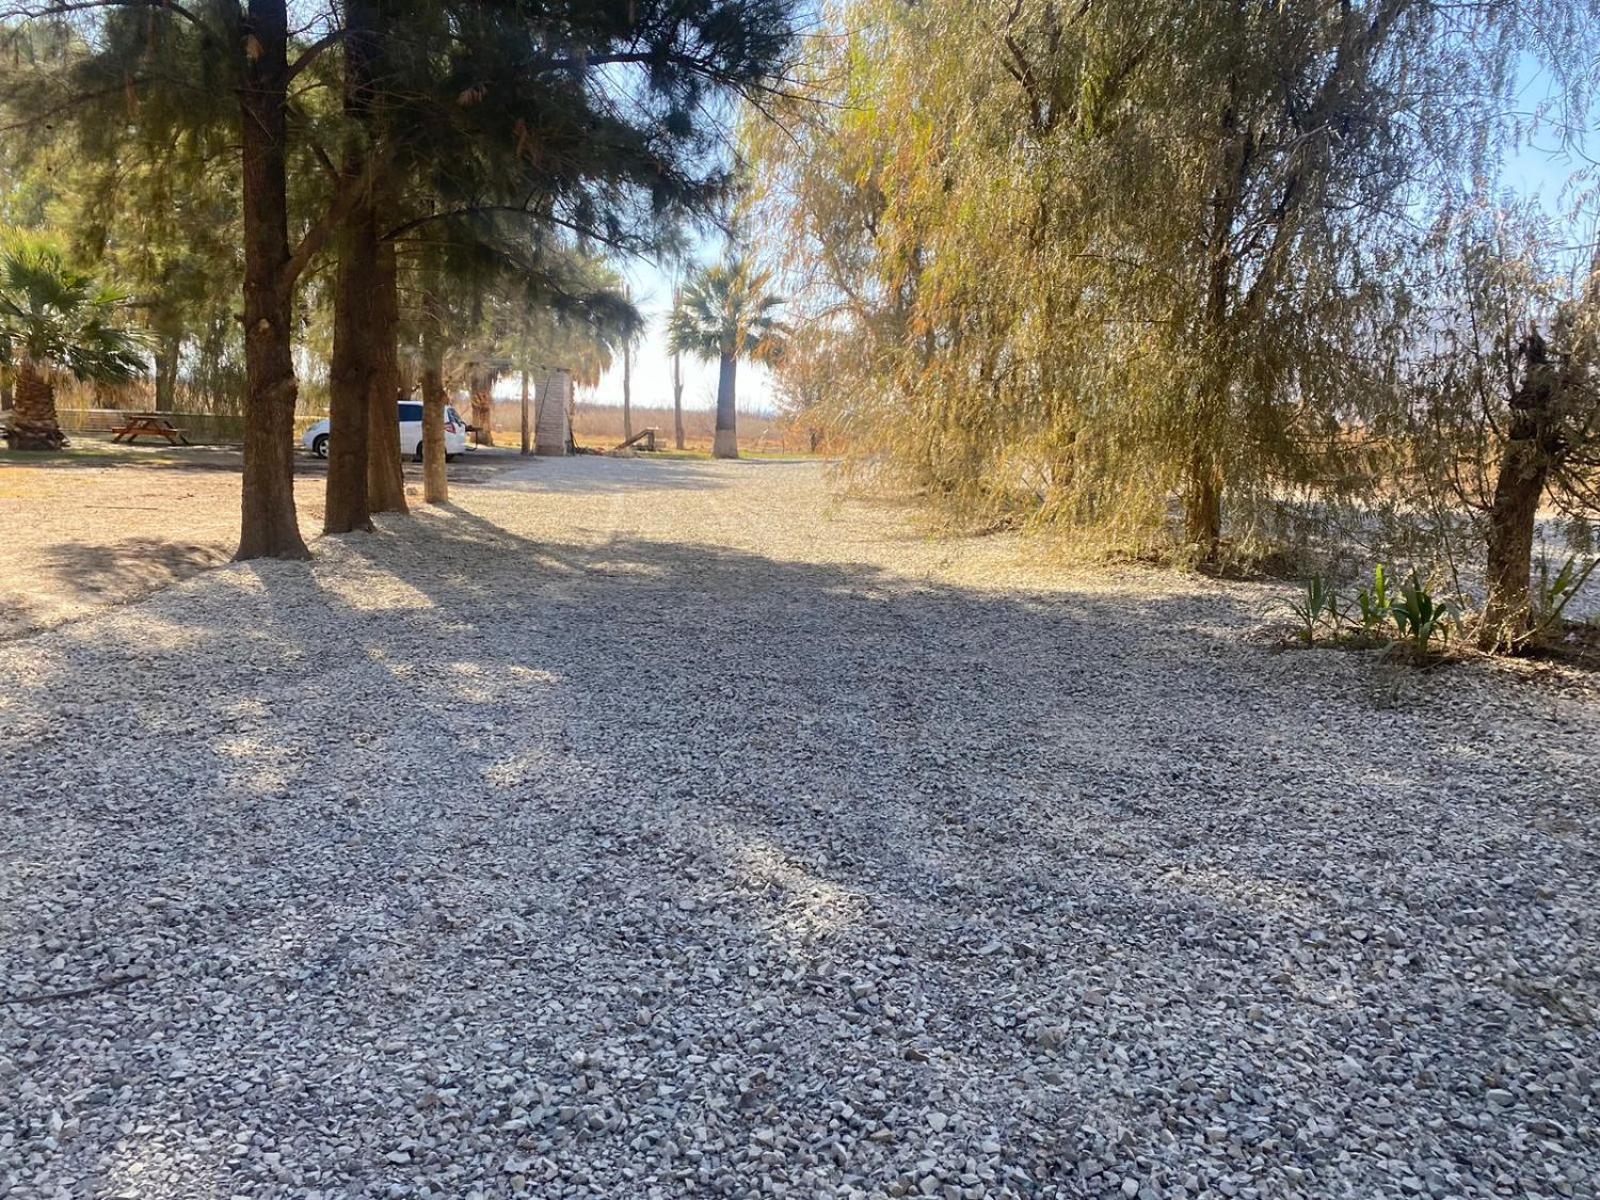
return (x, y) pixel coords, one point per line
(319, 445)
(418, 456)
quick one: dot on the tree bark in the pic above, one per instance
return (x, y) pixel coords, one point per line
(1206, 472)
(33, 423)
(435, 476)
(268, 526)
(353, 372)
(726, 444)
(482, 385)
(1203, 507)
(677, 401)
(1533, 441)
(166, 356)
(350, 374)
(386, 485)
(627, 392)
(527, 416)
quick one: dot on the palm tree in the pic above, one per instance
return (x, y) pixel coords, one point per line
(54, 319)
(726, 313)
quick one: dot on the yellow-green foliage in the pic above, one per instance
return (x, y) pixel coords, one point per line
(1076, 263)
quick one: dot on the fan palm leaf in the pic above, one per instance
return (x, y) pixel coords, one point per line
(726, 313)
(55, 319)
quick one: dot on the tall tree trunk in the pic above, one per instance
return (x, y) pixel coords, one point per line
(1532, 443)
(166, 356)
(677, 401)
(482, 385)
(627, 392)
(1206, 476)
(726, 444)
(1203, 506)
(527, 416)
(268, 528)
(386, 484)
(1208, 431)
(33, 423)
(435, 476)
(350, 374)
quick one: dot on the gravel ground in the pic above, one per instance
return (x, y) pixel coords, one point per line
(642, 829)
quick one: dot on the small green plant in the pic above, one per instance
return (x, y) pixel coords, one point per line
(1420, 617)
(1375, 603)
(1317, 599)
(1555, 592)
(1338, 609)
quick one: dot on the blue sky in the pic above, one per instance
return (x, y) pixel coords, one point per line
(1551, 158)
(652, 368)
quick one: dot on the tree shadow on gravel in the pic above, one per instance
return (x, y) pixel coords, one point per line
(681, 838)
(128, 568)
(93, 453)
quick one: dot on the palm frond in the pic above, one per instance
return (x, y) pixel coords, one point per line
(59, 317)
(726, 309)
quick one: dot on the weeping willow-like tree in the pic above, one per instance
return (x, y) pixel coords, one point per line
(1092, 263)
(1502, 405)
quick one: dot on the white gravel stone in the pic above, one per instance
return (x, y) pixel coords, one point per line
(653, 829)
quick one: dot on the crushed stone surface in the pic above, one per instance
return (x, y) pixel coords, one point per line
(666, 829)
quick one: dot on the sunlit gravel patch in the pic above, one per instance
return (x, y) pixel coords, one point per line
(674, 829)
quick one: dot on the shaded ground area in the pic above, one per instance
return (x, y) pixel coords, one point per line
(102, 524)
(675, 829)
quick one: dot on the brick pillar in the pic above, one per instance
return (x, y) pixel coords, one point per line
(552, 404)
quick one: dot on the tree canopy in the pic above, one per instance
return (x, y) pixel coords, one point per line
(368, 155)
(1070, 263)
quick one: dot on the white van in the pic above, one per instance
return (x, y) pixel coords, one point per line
(455, 432)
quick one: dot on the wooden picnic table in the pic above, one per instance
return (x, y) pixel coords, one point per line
(149, 425)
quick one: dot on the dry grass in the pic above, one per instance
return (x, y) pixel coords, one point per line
(99, 525)
(599, 427)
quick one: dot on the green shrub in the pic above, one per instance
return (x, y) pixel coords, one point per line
(1375, 603)
(1420, 617)
(1554, 593)
(1318, 598)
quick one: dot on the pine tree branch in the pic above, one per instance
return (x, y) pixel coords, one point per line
(314, 51)
(350, 190)
(471, 210)
(34, 12)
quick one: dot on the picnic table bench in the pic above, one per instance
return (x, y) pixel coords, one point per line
(140, 425)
